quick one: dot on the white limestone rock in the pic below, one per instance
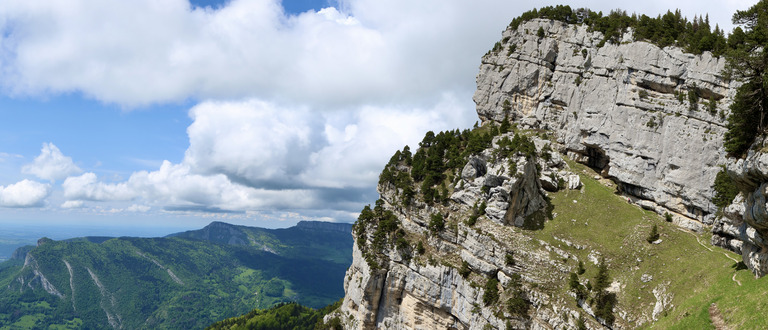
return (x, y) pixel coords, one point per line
(652, 145)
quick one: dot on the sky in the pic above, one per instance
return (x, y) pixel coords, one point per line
(170, 114)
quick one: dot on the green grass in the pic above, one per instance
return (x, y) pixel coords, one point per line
(696, 275)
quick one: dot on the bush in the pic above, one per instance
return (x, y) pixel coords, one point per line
(517, 305)
(420, 248)
(464, 271)
(581, 269)
(509, 259)
(491, 293)
(540, 32)
(667, 217)
(512, 49)
(693, 98)
(573, 282)
(436, 223)
(580, 324)
(725, 189)
(712, 106)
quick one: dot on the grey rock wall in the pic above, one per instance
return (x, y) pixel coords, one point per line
(617, 108)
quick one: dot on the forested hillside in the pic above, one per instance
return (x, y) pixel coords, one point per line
(188, 281)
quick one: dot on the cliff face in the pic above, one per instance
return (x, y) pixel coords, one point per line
(427, 290)
(744, 227)
(649, 120)
(623, 109)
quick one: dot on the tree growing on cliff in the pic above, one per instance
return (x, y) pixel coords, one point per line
(747, 61)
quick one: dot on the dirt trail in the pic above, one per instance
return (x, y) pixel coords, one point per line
(710, 249)
(717, 318)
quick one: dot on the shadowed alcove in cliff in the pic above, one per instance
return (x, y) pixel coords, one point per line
(597, 160)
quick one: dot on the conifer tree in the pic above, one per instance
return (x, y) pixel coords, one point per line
(748, 61)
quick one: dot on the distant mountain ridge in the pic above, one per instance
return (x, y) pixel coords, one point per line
(185, 280)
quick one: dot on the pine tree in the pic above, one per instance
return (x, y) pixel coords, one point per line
(654, 235)
(748, 61)
(602, 281)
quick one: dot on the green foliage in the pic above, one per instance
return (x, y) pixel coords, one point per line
(577, 81)
(747, 118)
(497, 47)
(420, 248)
(642, 93)
(273, 288)
(436, 223)
(401, 180)
(581, 268)
(211, 280)
(491, 292)
(667, 217)
(517, 304)
(384, 227)
(602, 279)
(509, 259)
(540, 32)
(695, 36)
(604, 301)
(653, 235)
(693, 98)
(575, 286)
(725, 189)
(520, 144)
(511, 49)
(580, 324)
(505, 126)
(573, 282)
(477, 211)
(464, 271)
(747, 61)
(288, 316)
(712, 105)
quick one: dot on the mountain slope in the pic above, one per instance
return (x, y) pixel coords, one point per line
(171, 282)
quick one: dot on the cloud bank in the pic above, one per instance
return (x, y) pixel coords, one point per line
(255, 156)
(294, 112)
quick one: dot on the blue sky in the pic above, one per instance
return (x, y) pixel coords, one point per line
(168, 115)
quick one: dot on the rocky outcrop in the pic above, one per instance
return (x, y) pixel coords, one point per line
(623, 109)
(744, 227)
(32, 277)
(429, 291)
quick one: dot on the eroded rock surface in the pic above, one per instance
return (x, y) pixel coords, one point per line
(623, 109)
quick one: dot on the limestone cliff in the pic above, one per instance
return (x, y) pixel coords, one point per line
(396, 288)
(744, 227)
(649, 120)
(623, 109)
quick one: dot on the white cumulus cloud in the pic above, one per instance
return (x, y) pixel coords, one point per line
(24, 193)
(51, 164)
(248, 48)
(254, 155)
(73, 204)
(295, 112)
